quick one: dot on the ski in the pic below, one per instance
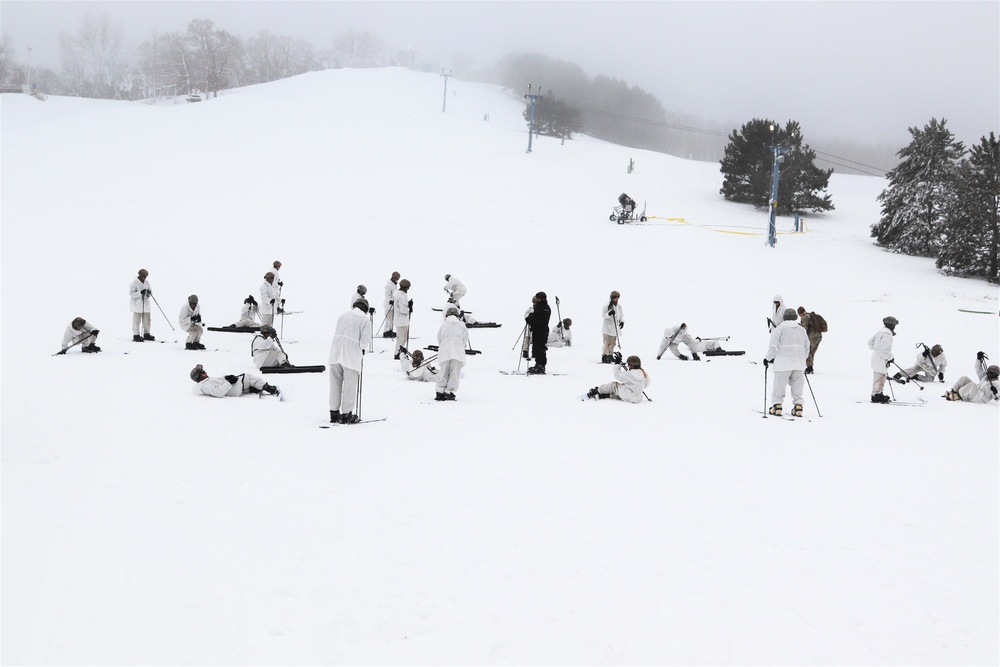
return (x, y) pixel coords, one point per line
(483, 325)
(441, 310)
(723, 353)
(787, 419)
(523, 373)
(978, 312)
(363, 421)
(235, 329)
(910, 404)
(292, 369)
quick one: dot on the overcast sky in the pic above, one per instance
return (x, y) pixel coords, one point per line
(860, 70)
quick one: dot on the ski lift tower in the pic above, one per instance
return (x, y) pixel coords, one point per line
(779, 157)
(531, 123)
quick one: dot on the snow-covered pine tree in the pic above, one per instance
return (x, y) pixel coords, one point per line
(972, 227)
(921, 192)
(748, 163)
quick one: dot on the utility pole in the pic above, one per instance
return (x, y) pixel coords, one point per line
(779, 157)
(444, 105)
(531, 122)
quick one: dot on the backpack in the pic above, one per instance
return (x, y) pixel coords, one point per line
(818, 323)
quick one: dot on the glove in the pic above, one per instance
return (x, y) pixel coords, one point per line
(272, 302)
(617, 357)
(409, 305)
(941, 377)
(611, 311)
(621, 325)
(371, 311)
(980, 355)
(889, 363)
(95, 332)
(282, 302)
(451, 300)
(927, 353)
(232, 379)
(993, 389)
(766, 362)
(196, 318)
(146, 292)
(281, 284)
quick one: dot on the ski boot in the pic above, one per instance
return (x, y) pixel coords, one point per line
(440, 396)
(797, 410)
(593, 393)
(880, 398)
(90, 349)
(349, 418)
(682, 357)
(694, 355)
(536, 370)
(605, 358)
(952, 395)
(448, 396)
(388, 334)
(190, 346)
(199, 346)
(775, 410)
(148, 336)
(334, 416)
(137, 338)
(271, 389)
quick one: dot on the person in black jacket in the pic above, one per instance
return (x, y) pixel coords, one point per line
(538, 323)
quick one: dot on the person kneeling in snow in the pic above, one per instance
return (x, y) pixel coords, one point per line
(984, 391)
(629, 382)
(266, 350)
(78, 332)
(231, 385)
(678, 334)
(930, 364)
(416, 370)
(560, 335)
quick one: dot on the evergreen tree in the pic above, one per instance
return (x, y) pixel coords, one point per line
(555, 118)
(921, 192)
(972, 229)
(748, 164)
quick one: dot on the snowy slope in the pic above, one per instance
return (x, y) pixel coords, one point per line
(145, 525)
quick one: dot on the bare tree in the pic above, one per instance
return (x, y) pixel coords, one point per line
(358, 49)
(214, 54)
(94, 60)
(8, 64)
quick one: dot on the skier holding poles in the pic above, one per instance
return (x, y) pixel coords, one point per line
(351, 337)
(611, 323)
(139, 291)
(538, 323)
(390, 295)
(266, 349)
(79, 331)
(984, 391)
(270, 299)
(787, 352)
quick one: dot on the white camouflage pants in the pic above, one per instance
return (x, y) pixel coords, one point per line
(795, 379)
(449, 375)
(343, 388)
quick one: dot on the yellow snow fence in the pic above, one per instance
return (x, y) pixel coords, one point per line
(729, 229)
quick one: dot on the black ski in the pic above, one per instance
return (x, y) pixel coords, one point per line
(292, 369)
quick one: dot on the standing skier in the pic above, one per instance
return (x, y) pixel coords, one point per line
(787, 352)
(390, 296)
(628, 385)
(984, 391)
(270, 299)
(453, 338)
(881, 346)
(359, 294)
(807, 321)
(538, 323)
(140, 295)
(402, 306)
(351, 338)
(611, 322)
(777, 312)
(190, 321)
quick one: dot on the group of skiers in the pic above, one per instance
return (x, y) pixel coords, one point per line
(795, 336)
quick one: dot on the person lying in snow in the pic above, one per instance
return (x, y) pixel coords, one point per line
(230, 385)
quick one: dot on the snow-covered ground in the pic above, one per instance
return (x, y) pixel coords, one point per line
(518, 525)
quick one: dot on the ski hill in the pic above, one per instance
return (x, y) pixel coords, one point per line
(142, 524)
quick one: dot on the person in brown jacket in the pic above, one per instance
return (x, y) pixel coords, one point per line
(815, 336)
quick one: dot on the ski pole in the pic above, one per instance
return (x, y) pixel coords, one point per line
(161, 311)
(716, 338)
(278, 341)
(371, 322)
(809, 384)
(908, 377)
(519, 336)
(361, 379)
(765, 389)
(71, 346)
(889, 382)
(618, 340)
(559, 315)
